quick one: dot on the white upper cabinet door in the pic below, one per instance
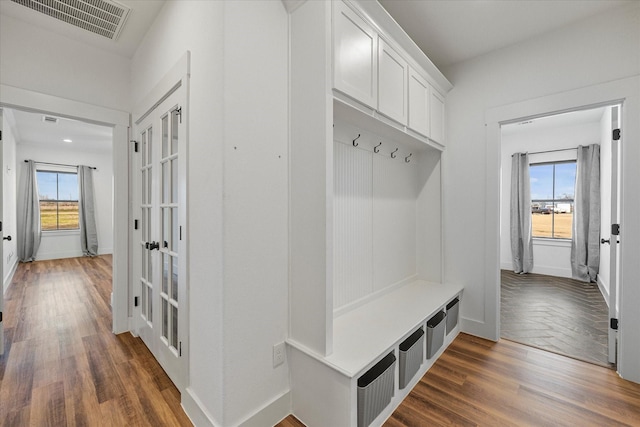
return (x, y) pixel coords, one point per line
(354, 55)
(418, 103)
(393, 72)
(436, 113)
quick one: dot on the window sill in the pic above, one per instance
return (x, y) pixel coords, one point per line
(547, 241)
(59, 233)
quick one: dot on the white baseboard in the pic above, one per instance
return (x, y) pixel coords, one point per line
(603, 290)
(9, 277)
(548, 271)
(271, 414)
(69, 254)
(478, 329)
(194, 409)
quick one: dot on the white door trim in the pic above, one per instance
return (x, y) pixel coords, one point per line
(23, 99)
(627, 92)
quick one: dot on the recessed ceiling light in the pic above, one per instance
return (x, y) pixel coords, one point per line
(67, 140)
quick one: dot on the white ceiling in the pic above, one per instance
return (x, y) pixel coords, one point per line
(142, 15)
(572, 118)
(456, 30)
(31, 129)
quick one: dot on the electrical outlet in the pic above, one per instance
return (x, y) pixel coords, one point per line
(278, 354)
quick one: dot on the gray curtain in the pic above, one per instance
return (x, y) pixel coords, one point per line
(88, 229)
(29, 231)
(585, 241)
(520, 214)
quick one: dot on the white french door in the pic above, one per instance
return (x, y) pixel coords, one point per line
(1, 246)
(160, 248)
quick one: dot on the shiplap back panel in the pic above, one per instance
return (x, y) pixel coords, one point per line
(394, 220)
(374, 219)
(352, 224)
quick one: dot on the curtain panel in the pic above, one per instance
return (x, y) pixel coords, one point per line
(520, 214)
(29, 230)
(585, 241)
(86, 207)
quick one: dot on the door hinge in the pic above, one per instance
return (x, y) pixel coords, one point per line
(0, 316)
(180, 232)
(135, 145)
(614, 324)
(616, 134)
(135, 301)
(0, 225)
(180, 349)
(615, 229)
(135, 224)
(178, 111)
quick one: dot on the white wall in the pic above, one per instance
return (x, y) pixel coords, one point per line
(9, 226)
(237, 202)
(573, 57)
(42, 61)
(66, 244)
(551, 257)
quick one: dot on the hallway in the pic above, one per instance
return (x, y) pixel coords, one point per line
(63, 366)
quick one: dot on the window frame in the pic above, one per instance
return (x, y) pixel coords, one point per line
(57, 201)
(554, 200)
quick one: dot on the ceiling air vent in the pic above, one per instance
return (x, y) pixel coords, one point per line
(49, 119)
(103, 17)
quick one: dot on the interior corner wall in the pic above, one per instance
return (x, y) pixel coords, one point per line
(578, 55)
(73, 70)
(66, 244)
(9, 202)
(237, 203)
(550, 257)
(198, 27)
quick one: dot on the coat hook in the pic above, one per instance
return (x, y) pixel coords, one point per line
(376, 149)
(393, 153)
(355, 144)
(406, 159)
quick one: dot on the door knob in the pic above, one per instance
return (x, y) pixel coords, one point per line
(603, 241)
(7, 238)
(154, 245)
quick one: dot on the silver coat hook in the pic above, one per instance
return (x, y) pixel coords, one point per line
(393, 153)
(355, 144)
(376, 149)
(406, 159)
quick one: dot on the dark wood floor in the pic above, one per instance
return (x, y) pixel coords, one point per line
(62, 365)
(565, 316)
(481, 383)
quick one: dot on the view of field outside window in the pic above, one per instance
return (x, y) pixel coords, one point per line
(552, 194)
(58, 192)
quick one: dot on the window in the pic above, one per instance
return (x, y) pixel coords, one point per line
(552, 193)
(58, 192)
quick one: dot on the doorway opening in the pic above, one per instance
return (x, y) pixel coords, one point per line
(547, 308)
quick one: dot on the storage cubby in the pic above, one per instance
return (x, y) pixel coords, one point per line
(435, 333)
(411, 353)
(366, 210)
(375, 390)
(452, 314)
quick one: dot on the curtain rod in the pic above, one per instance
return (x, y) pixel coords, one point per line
(59, 164)
(552, 151)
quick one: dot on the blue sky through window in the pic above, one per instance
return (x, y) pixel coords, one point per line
(542, 180)
(57, 186)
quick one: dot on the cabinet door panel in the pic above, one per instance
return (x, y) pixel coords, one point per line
(436, 112)
(418, 103)
(392, 83)
(354, 56)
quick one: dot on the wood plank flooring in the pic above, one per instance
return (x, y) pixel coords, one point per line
(481, 383)
(62, 365)
(556, 314)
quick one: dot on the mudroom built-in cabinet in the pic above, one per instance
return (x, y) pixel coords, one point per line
(368, 300)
